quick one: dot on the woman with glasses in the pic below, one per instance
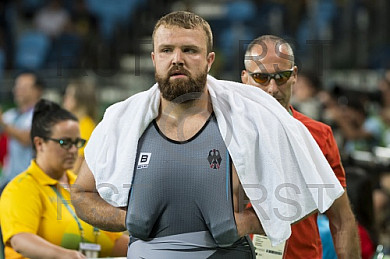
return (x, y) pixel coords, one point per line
(37, 217)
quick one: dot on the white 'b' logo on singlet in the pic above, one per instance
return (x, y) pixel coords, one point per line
(143, 160)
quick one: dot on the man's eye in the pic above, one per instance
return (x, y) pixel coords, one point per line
(190, 50)
(165, 50)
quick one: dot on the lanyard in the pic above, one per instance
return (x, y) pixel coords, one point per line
(66, 203)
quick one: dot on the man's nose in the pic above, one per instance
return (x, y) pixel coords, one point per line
(272, 88)
(177, 58)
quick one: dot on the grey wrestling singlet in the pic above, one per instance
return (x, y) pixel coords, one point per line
(180, 203)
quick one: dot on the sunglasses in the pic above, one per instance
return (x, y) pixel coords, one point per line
(264, 78)
(67, 143)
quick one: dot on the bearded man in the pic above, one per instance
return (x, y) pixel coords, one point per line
(174, 165)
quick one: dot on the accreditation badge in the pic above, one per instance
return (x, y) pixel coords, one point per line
(264, 249)
(90, 250)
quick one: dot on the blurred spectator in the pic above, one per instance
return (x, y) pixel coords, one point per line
(37, 219)
(360, 189)
(381, 123)
(52, 19)
(77, 45)
(16, 124)
(360, 132)
(304, 96)
(80, 99)
(85, 25)
(381, 199)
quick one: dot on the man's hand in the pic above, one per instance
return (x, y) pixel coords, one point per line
(247, 222)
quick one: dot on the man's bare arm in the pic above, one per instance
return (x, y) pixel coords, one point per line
(344, 228)
(91, 208)
(246, 219)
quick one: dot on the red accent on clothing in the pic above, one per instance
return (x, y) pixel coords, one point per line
(323, 135)
(305, 241)
(366, 244)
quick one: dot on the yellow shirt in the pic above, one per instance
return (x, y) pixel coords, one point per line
(29, 204)
(87, 125)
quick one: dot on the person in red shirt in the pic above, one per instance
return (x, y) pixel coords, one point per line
(269, 65)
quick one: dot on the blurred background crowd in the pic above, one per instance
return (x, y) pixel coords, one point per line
(342, 51)
(343, 41)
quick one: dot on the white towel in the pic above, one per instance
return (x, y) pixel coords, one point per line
(280, 166)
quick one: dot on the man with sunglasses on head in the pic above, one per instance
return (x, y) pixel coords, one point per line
(269, 65)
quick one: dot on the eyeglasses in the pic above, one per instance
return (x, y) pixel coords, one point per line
(264, 78)
(67, 143)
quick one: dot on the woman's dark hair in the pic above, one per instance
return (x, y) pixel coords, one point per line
(46, 115)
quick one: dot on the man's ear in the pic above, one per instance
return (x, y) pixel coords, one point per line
(295, 75)
(152, 56)
(244, 76)
(210, 60)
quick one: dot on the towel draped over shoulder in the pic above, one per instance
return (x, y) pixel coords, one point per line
(279, 164)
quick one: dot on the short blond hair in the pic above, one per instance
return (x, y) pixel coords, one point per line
(186, 20)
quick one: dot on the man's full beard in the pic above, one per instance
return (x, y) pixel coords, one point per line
(182, 89)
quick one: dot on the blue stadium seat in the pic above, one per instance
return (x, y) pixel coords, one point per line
(65, 52)
(112, 13)
(241, 11)
(31, 50)
(316, 28)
